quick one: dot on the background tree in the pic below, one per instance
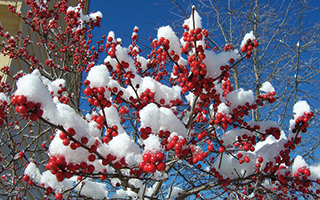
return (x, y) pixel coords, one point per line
(164, 125)
(288, 53)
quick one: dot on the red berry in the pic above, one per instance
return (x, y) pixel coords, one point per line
(58, 196)
(61, 160)
(22, 99)
(160, 156)
(26, 178)
(162, 101)
(221, 149)
(33, 117)
(100, 119)
(93, 148)
(30, 105)
(63, 135)
(153, 159)
(49, 190)
(88, 91)
(60, 176)
(84, 140)
(39, 112)
(178, 146)
(146, 158)
(148, 130)
(71, 131)
(23, 109)
(151, 168)
(200, 157)
(307, 172)
(210, 147)
(246, 159)
(101, 90)
(92, 157)
(86, 82)
(161, 166)
(66, 142)
(141, 165)
(91, 168)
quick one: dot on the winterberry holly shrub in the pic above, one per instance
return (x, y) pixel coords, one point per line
(164, 125)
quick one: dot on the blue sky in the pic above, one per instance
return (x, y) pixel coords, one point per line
(121, 17)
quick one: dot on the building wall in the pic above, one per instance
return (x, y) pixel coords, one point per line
(10, 23)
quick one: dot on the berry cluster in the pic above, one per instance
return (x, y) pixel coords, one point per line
(301, 123)
(240, 111)
(152, 162)
(246, 142)
(3, 111)
(26, 178)
(145, 132)
(163, 51)
(96, 96)
(180, 146)
(275, 131)
(111, 45)
(270, 97)
(100, 119)
(65, 137)
(222, 120)
(195, 80)
(248, 47)
(111, 132)
(26, 108)
(60, 94)
(190, 36)
(228, 47)
(59, 167)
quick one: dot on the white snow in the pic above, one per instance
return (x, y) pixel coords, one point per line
(246, 37)
(267, 87)
(240, 97)
(87, 187)
(167, 33)
(161, 119)
(298, 163)
(197, 20)
(174, 192)
(57, 148)
(33, 172)
(144, 62)
(214, 61)
(121, 145)
(229, 166)
(152, 144)
(300, 108)
(98, 76)
(92, 189)
(223, 108)
(3, 97)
